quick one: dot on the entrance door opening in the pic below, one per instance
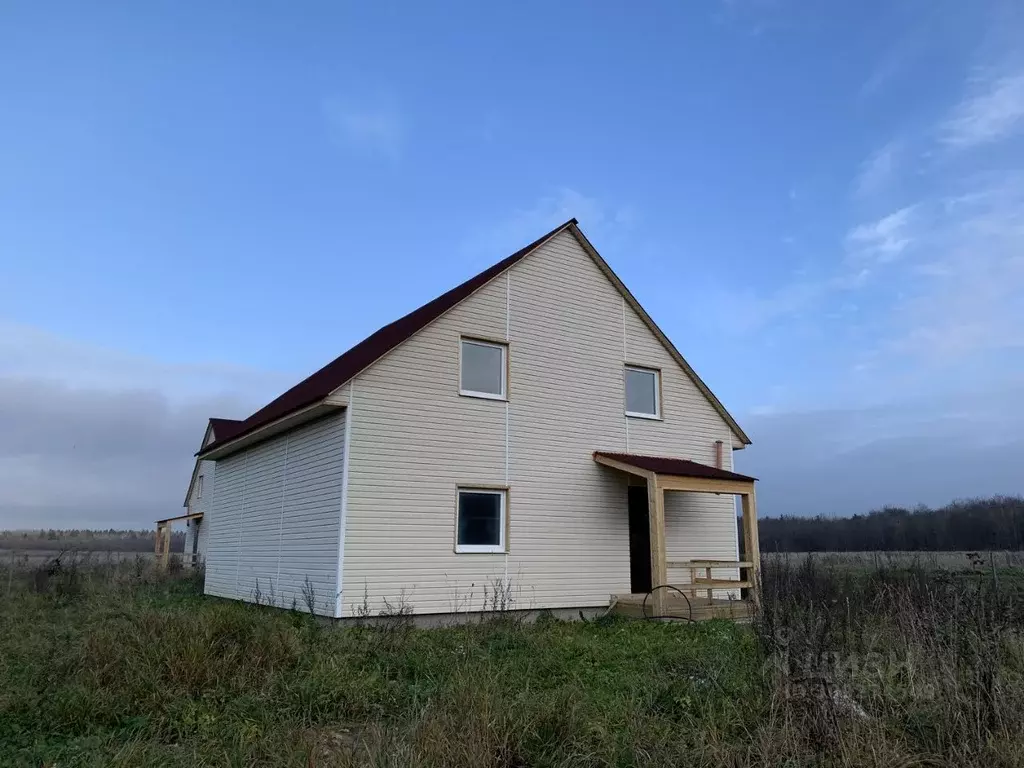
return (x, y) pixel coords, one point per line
(195, 541)
(639, 541)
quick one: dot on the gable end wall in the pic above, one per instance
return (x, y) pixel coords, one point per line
(415, 440)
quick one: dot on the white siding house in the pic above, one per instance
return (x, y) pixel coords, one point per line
(199, 497)
(199, 500)
(275, 533)
(373, 483)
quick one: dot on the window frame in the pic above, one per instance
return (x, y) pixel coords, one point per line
(503, 348)
(656, 416)
(199, 487)
(484, 549)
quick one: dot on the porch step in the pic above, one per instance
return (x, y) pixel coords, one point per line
(699, 608)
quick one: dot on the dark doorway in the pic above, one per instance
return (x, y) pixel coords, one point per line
(639, 540)
(195, 540)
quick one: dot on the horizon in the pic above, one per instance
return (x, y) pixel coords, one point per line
(912, 509)
(823, 208)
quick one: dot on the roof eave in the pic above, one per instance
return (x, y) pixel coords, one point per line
(289, 421)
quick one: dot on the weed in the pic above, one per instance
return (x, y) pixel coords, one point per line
(106, 663)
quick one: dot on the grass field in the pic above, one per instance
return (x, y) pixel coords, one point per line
(19, 559)
(113, 664)
(897, 560)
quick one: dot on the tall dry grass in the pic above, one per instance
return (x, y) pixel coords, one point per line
(909, 663)
(117, 664)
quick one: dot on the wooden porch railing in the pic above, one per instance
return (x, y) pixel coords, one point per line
(708, 581)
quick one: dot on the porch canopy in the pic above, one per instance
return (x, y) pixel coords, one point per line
(163, 536)
(670, 474)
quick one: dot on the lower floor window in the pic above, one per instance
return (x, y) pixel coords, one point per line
(480, 526)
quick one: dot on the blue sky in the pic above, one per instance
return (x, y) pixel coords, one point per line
(821, 204)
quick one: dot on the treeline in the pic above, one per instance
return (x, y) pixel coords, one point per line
(972, 524)
(110, 540)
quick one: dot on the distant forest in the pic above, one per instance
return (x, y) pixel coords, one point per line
(110, 540)
(972, 524)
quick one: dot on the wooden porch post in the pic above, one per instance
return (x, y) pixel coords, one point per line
(167, 545)
(163, 544)
(659, 570)
(751, 544)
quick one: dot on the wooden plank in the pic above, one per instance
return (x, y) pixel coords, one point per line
(631, 606)
(704, 583)
(737, 610)
(192, 516)
(624, 467)
(162, 543)
(709, 563)
(751, 543)
(167, 545)
(704, 484)
(656, 517)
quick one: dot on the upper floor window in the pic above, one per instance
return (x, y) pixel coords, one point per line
(199, 487)
(483, 369)
(643, 392)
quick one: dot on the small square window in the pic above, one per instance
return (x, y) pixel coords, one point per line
(480, 524)
(643, 393)
(199, 487)
(482, 369)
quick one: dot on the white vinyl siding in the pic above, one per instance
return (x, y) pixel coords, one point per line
(698, 526)
(190, 534)
(203, 533)
(276, 519)
(196, 529)
(201, 503)
(415, 441)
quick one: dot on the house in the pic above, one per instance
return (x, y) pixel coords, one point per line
(200, 491)
(530, 439)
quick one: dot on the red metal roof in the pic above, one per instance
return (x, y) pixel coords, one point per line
(667, 466)
(340, 370)
(225, 429)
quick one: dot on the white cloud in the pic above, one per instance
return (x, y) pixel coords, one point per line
(879, 170)
(746, 311)
(28, 351)
(78, 457)
(967, 293)
(894, 62)
(939, 285)
(379, 128)
(597, 218)
(91, 436)
(962, 443)
(993, 110)
(883, 240)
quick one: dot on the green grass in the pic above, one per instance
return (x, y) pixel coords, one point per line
(155, 674)
(117, 666)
